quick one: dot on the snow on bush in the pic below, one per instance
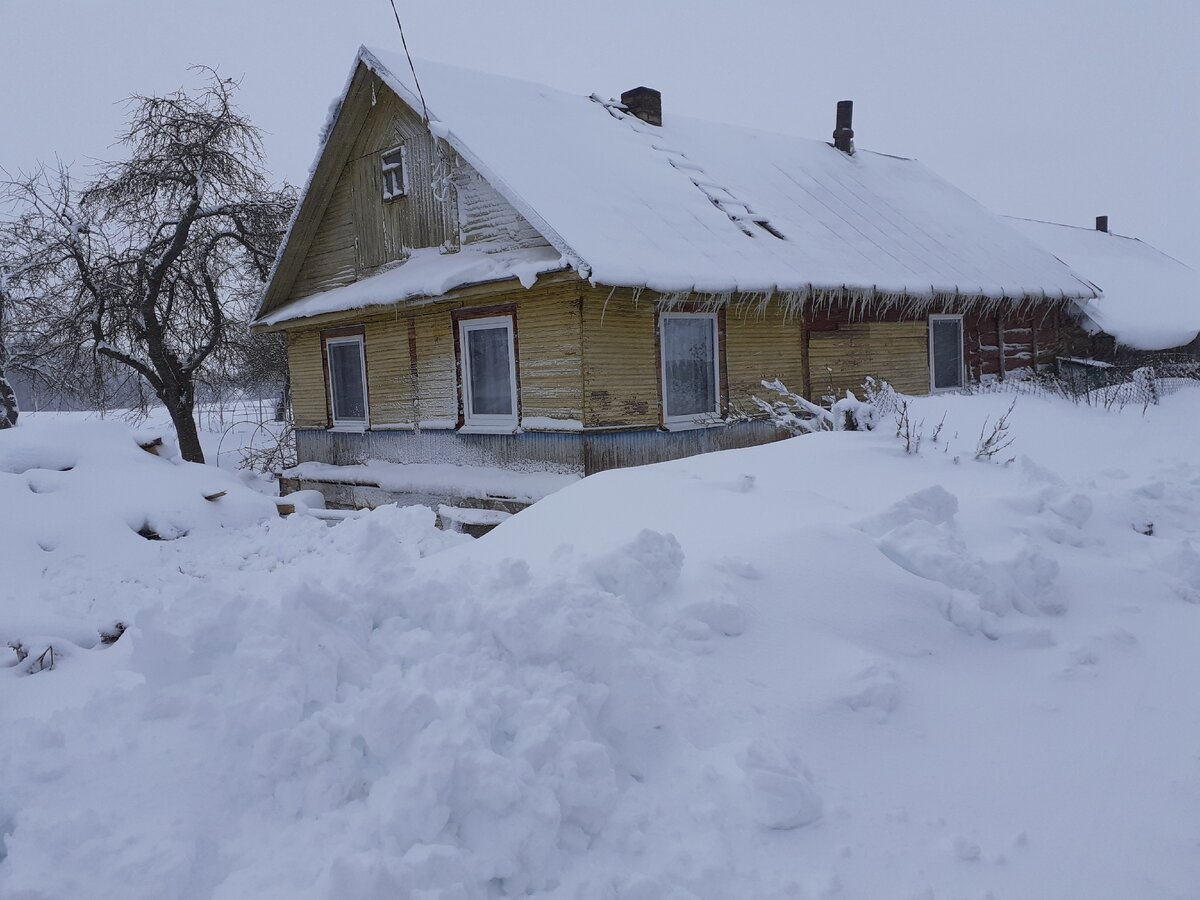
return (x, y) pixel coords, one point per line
(797, 415)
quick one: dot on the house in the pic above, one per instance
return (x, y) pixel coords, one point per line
(1151, 301)
(491, 273)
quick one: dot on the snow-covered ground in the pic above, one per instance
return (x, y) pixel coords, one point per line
(822, 668)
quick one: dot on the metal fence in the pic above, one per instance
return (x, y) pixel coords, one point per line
(1108, 385)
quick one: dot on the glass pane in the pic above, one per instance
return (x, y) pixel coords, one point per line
(947, 353)
(687, 348)
(349, 393)
(489, 371)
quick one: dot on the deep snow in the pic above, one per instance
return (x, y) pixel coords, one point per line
(819, 668)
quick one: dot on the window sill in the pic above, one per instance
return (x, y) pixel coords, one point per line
(488, 429)
(692, 425)
(349, 429)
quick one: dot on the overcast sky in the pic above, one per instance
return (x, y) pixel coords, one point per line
(1051, 109)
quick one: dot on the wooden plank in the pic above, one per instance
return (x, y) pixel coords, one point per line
(761, 345)
(391, 388)
(308, 379)
(896, 352)
(620, 369)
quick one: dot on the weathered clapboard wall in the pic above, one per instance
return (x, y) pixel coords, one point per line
(762, 345)
(842, 358)
(307, 369)
(412, 372)
(620, 365)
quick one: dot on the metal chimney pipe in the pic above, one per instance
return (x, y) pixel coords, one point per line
(843, 134)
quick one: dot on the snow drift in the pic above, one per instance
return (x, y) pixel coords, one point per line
(819, 668)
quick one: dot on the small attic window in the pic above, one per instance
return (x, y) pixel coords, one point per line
(395, 173)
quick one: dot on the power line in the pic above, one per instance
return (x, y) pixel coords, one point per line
(416, 81)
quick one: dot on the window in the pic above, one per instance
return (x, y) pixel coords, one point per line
(347, 382)
(395, 173)
(690, 369)
(489, 372)
(946, 352)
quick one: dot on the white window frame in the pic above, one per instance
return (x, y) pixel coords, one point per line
(962, 355)
(490, 421)
(388, 168)
(348, 424)
(690, 420)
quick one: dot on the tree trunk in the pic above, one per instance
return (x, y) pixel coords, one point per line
(8, 404)
(186, 433)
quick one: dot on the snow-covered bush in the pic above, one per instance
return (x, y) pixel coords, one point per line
(797, 415)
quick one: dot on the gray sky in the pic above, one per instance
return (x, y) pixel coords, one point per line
(1052, 109)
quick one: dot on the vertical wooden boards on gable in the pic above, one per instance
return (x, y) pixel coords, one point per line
(332, 258)
(896, 352)
(424, 217)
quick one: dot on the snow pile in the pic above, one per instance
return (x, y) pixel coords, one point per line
(1151, 301)
(76, 495)
(822, 668)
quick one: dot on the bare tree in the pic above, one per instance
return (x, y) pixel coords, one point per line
(155, 262)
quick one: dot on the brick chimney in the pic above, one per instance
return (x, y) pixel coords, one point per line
(645, 103)
(843, 134)
(1102, 224)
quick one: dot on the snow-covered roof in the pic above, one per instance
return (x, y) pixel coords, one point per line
(1151, 301)
(696, 207)
(428, 272)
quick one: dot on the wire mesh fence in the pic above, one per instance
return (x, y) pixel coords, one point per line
(1088, 382)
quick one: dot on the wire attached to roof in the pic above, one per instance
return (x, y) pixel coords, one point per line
(416, 81)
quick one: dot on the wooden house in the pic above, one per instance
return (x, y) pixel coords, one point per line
(493, 273)
(1150, 308)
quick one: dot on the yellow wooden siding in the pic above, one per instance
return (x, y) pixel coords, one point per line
(587, 356)
(436, 370)
(550, 368)
(761, 345)
(307, 370)
(896, 352)
(550, 355)
(620, 364)
(390, 387)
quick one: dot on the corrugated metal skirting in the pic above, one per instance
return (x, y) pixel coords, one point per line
(557, 452)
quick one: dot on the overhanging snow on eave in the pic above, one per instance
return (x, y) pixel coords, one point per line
(427, 274)
(860, 302)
